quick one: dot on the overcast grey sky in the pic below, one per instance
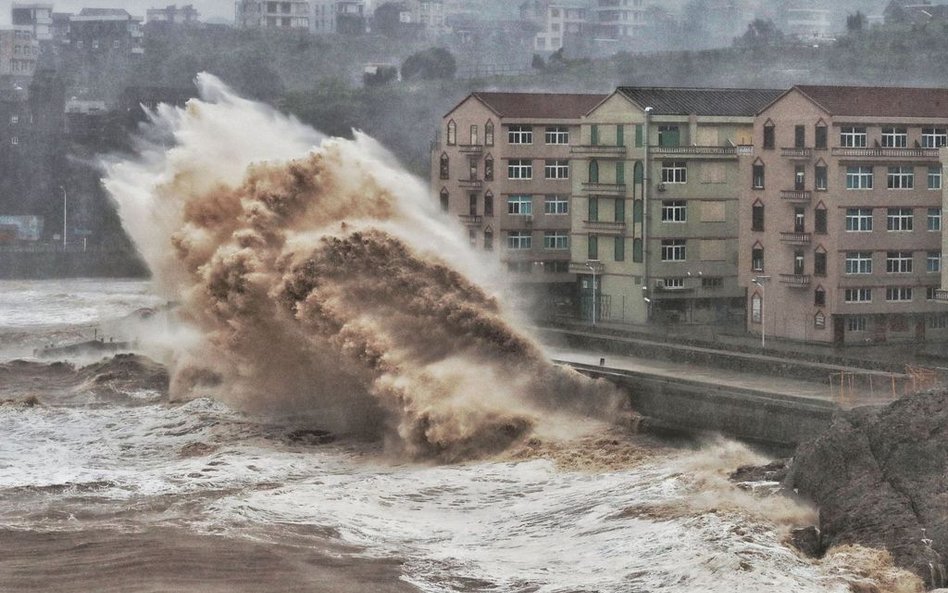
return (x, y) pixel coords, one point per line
(208, 8)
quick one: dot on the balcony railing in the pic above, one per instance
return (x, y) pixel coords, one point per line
(795, 238)
(726, 151)
(471, 219)
(795, 280)
(471, 183)
(927, 153)
(941, 295)
(471, 148)
(597, 150)
(796, 153)
(793, 195)
(604, 227)
(604, 188)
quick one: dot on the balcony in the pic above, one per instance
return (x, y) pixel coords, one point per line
(604, 227)
(795, 238)
(941, 295)
(471, 219)
(471, 148)
(612, 189)
(471, 183)
(797, 153)
(696, 151)
(924, 153)
(793, 195)
(795, 280)
(597, 151)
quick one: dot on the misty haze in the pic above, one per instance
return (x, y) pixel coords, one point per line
(471, 295)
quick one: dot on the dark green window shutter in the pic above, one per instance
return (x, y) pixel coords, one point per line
(637, 250)
(638, 136)
(593, 209)
(638, 172)
(637, 211)
(594, 171)
(620, 249)
(620, 209)
(620, 173)
(594, 134)
(593, 247)
(620, 135)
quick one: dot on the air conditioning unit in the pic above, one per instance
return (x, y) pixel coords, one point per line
(661, 187)
(660, 283)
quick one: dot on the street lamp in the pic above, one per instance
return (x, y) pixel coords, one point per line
(593, 268)
(760, 281)
(64, 215)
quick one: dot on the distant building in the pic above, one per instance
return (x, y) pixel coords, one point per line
(809, 24)
(19, 52)
(35, 18)
(557, 22)
(619, 21)
(268, 14)
(105, 32)
(172, 15)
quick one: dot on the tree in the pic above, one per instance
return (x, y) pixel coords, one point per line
(856, 23)
(538, 62)
(429, 64)
(760, 33)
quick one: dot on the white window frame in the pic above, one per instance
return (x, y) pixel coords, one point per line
(556, 135)
(900, 220)
(556, 169)
(894, 137)
(674, 283)
(519, 240)
(933, 262)
(520, 204)
(555, 205)
(14, 120)
(857, 295)
(674, 211)
(899, 262)
(899, 294)
(674, 250)
(934, 219)
(857, 323)
(901, 177)
(519, 134)
(853, 137)
(558, 240)
(859, 220)
(934, 178)
(934, 137)
(674, 172)
(520, 169)
(859, 177)
(858, 262)
(938, 321)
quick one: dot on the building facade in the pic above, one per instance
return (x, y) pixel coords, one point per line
(172, 15)
(501, 167)
(269, 14)
(98, 33)
(557, 22)
(841, 213)
(35, 18)
(19, 52)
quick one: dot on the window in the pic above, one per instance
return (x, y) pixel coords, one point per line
(898, 262)
(757, 181)
(931, 293)
(756, 308)
(452, 133)
(858, 219)
(474, 135)
(520, 169)
(938, 322)
(769, 136)
(444, 200)
(593, 210)
(901, 178)
(819, 297)
(859, 262)
(555, 240)
(819, 263)
(853, 137)
(472, 237)
(557, 135)
(857, 323)
(668, 136)
(673, 250)
(819, 220)
(472, 205)
(899, 219)
(619, 249)
(857, 295)
(819, 320)
(593, 171)
(934, 137)
(799, 136)
(858, 177)
(488, 240)
(894, 137)
(14, 120)
(712, 283)
(799, 177)
(14, 140)
(757, 259)
(488, 204)
(637, 251)
(520, 204)
(898, 293)
(489, 133)
(444, 166)
(556, 205)
(519, 240)
(556, 170)
(472, 168)
(592, 247)
(757, 217)
(674, 211)
(619, 210)
(933, 261)
(821, 136)
(517, 134)
(95, 44)
(934, 178)
(489, 168)
(934, 219)
(594, 134)
(674, 172)
(821, 176)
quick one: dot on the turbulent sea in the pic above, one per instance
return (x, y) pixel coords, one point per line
(106, 485)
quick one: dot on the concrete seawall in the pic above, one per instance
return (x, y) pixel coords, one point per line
(70, 264)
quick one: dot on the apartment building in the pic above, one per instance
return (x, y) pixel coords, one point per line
(620, 20)
(501, 167)
(557, 22)
(172, 15)
(655, 204)
(270, 14)
(34, 18)
(99, 32)
(841, 230)
(19, 52)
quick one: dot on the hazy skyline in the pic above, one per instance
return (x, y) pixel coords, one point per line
(209, 9)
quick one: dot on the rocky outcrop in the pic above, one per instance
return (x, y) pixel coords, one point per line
(880, 478)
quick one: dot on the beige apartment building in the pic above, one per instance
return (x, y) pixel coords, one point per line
(655, 204)
(270, 14)
(841, 215)
(501, 165)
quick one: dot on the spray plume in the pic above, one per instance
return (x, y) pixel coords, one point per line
(323, 283)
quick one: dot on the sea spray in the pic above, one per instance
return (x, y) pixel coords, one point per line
(324, 283)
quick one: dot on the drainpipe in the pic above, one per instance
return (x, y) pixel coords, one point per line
(646, 181)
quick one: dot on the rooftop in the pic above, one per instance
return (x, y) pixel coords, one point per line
(701, 101)
(879, 101)
(539, 105)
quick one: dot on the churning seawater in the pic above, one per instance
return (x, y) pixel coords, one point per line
(102, 471)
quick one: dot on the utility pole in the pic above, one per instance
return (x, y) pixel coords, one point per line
(761, 281)
(64, 216)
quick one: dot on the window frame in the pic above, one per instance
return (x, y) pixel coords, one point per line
(853, 137)
(933, 219)
(900, 220)
(674, 250)
(934, 137)
(519, 240)
(899, 262)
(859, 177)
(894, 137)
(674, 211)
(555, 205)
(899, 294)
(674, 172)
(555, 168)
(857, 295)
(858, 263)
(556, 135)
(556, 240)
(520, 134)
(520, 169)
(900, 177)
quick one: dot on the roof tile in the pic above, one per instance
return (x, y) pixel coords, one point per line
(879, 101)
(540, 105)
(701, 101)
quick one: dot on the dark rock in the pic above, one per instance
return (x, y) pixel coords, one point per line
(807, 540)
(775, 471)
(880, 478)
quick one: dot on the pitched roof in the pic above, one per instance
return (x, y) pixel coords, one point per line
(539, 105)
(103, 12)
(879, 101)
(701, 101)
